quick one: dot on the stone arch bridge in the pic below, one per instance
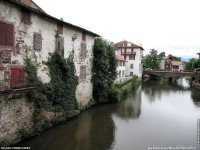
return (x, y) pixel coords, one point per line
(171, 75)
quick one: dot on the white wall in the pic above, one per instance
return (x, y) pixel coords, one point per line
(24, 38)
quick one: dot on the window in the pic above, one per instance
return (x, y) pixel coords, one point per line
(123, 74)
(131, 57)
(60, 45)
(120, 74)
(123, 63)
(131, 66)
(131, 73)
(6, 34)
(37, 40)
(59, 28)
(83, 36)
(17, 76)
(125, 57)
(83, 50)
(25, 16)
(83, 72)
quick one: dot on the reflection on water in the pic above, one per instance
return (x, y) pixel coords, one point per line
(156, 114)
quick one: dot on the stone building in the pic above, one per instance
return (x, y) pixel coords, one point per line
(26, 29)
(133, 54)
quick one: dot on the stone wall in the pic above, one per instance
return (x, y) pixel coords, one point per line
(20, 118)
(15, 115)
(46, 27)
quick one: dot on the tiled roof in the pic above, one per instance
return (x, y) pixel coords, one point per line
(42, 13)
(119, 57)
(124, 44)
(176, 63)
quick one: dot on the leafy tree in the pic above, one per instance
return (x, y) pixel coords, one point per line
(174, 58)
(152, 61)
(161, 55)
(192, 64)
(104, 70)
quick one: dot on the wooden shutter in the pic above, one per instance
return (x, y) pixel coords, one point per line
(6, 34)
(37, 41)
(59, 28)
(83, 50)
(17, 77)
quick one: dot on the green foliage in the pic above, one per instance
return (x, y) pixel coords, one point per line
(192, 64)
(152, 61)
(104, 70)
(161, 55)
(174, 58)
(60, 91)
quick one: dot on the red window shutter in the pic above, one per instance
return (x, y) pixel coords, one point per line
(37, 41)
(6, 34)
(17, 77)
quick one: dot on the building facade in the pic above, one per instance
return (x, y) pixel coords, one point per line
(120, 69)
(25, 29)
(133, 54)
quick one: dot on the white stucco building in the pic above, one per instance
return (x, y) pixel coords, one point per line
(25, 27)
(120, 69)
(133, 54)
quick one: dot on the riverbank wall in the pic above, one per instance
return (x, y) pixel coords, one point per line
(196, 84)
(20, 118)
(125, 87)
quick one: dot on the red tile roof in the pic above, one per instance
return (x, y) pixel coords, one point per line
(123, 44)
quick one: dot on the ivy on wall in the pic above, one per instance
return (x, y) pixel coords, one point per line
(59, 94)
(104, 71)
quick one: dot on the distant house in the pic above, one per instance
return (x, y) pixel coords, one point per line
(177, 66)
(26, 28)
(199, 55)
(133, 54)
(120, 69)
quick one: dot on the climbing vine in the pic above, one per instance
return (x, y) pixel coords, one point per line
(104, 71)
(60, 91)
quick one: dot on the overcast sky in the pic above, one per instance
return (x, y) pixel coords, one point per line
(172, 26)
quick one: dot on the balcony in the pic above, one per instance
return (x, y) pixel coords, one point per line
(128, 53)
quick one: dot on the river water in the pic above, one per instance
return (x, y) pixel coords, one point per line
(157, 115)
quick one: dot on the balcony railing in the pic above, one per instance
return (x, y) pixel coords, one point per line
(128, 53)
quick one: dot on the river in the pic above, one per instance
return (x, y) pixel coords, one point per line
(157, 115)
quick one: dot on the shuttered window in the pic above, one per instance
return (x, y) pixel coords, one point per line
(25, 17)
(83, 36)
(17, 77)
(59, 28)
(83, 50)
(83, 72)
(6, 34)
(60, 45)
(37, 41)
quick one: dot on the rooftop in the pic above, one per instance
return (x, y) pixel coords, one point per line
(124, 44)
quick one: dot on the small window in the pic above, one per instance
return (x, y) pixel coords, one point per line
(60, 45)
(83, 36)
(25, 16)
(17, 77)
(120, 74)
(59, 28)
(131, 57)
(37, 41)
(6, 34)
(131, 66)
(83, 50)
(83, 72)
(131, 73)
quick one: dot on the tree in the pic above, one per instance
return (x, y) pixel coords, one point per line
(152, 61)
(161, 55)
(174, 58)
(104, 70)
(192, 64)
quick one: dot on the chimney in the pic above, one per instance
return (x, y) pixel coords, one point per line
(26, 2)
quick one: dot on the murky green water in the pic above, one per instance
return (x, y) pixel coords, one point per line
(157, 114)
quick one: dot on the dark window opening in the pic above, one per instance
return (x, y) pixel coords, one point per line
(6, 34)
(83, 72)
(83, 36)
(25, 16)
(59, 28)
